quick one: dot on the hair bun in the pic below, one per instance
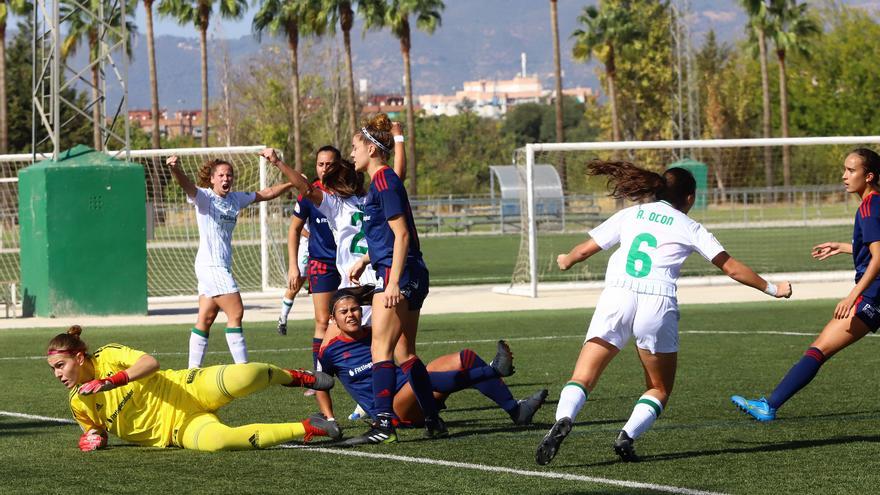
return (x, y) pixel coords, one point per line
(75, 330)
(381, 122)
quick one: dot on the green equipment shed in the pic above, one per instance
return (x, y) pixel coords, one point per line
(83, 236)
(701, 174)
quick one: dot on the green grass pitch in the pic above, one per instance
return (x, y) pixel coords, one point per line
(825, 440)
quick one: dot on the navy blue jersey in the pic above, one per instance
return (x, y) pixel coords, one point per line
(322, 246)
(865, 231)
(350, 361)
(386, 199)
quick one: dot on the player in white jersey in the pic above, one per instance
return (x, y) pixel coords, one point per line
(217, 208)
(639, 299)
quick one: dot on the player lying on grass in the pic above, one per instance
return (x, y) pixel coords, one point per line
(639, 300)
(121, 391)
(856, 314)
(346, 354)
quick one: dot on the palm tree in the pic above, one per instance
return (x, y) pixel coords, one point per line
(557, 66)
(198, 13)
(81, 26)
(7, 7)
(342, 9)
(292, 18)
(606, 31)
(154, 85)
(395, 16)
(792, 28)
(760, 27)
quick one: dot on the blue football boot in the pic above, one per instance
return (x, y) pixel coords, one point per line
(758, 409)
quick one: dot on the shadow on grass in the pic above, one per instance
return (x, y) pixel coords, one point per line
(15, 427)
(753, 448)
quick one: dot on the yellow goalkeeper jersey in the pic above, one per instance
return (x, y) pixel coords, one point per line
(148, 411)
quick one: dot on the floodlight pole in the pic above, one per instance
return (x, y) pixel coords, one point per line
(52, 74)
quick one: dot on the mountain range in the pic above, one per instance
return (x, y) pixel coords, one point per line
(478, 39)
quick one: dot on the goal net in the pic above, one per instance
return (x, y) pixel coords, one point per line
(768, 201)
(259, 241)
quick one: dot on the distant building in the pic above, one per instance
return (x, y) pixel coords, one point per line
(491, 98)
(392, 104)
(183, 123)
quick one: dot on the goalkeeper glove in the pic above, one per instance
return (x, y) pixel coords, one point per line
(102, 385)
(92, 440)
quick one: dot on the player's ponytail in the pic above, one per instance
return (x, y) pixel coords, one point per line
(341, 179)
(207, 170)
(67, 343)
(626, 181)
(377, 131)
(871, 162)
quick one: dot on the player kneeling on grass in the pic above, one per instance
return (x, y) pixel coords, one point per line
(122, 391)
(639, 299)
(345, 353)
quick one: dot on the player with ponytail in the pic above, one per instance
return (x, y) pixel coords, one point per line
(859, 312)
(122, 391)
(639, 300)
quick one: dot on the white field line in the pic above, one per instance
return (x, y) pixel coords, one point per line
(506, 470)
(474, 341)
(47, 419)
(453, 464)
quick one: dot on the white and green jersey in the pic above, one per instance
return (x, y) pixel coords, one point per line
(345, 216)
(216, 217)
(654, 239)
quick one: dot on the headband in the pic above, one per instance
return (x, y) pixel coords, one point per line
(53, 352)
(374, 140)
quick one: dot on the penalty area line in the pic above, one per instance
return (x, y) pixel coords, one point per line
(47, 419)
(506, 470)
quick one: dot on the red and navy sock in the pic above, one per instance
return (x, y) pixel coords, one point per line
(316, 347)
(384, 386)
(474, 373)
(417, 376)
(797, 377)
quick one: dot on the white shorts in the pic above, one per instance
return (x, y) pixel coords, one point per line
(622, 313)
(303, 256)
(215, 281)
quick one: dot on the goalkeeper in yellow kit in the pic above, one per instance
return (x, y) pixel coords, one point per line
(121, 390)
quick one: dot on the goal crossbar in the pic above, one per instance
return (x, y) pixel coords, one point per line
(530, 149)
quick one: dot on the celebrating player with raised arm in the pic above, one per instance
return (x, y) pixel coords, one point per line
(122, 391)
(639, 299)
(856, 314)
(345, 353)
(217, 208)
(393, 250)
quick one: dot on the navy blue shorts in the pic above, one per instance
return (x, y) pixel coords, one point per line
(323, 277)
(868, 311)
(414, 282)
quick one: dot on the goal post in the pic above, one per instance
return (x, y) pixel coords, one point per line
(657, 155)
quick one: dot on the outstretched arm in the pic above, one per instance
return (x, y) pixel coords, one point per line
(577, 254)
(272, 192)
(828, 249)
(743, 274)
(173, 163)
(399, 150)
(297, 180)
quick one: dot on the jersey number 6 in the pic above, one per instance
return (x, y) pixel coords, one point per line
(635, 255)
